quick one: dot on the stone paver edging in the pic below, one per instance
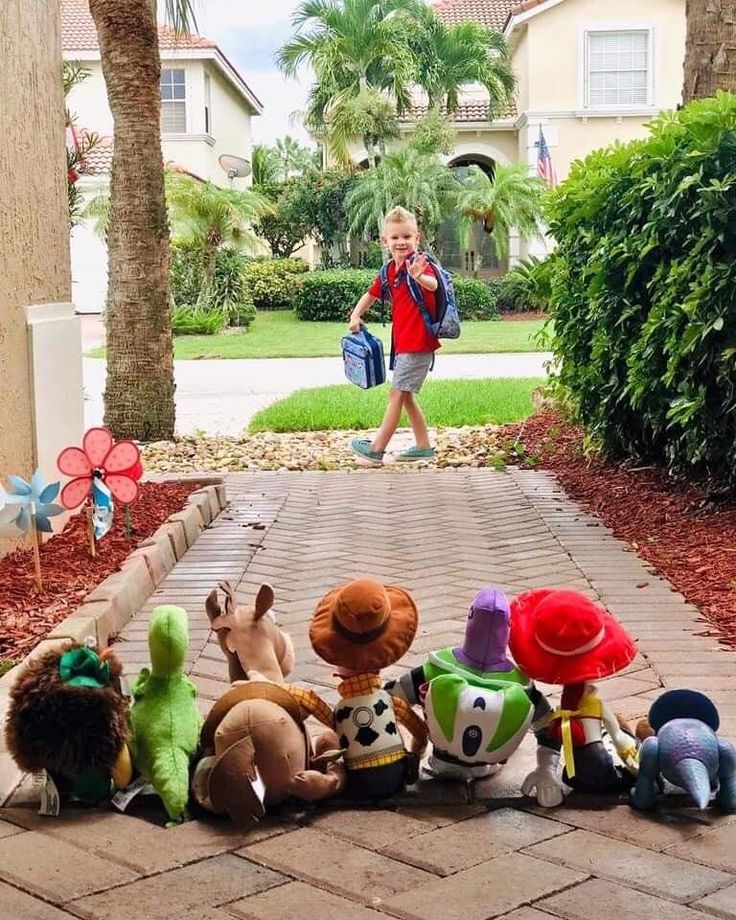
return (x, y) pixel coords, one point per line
(107, 608)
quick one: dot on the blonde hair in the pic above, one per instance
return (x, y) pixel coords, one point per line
(399, 215)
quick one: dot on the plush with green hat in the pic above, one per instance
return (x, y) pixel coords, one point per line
(68, 716)
(165, 719)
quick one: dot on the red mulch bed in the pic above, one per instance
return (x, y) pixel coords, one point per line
(674, 525)
(68, 570)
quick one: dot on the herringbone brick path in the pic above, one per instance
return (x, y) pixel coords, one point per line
(443, 850)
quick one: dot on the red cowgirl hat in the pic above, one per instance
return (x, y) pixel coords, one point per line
(559, 636)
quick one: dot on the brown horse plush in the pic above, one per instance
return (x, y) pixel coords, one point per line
(256, 750)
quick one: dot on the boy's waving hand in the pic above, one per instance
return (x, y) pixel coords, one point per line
(417, 268)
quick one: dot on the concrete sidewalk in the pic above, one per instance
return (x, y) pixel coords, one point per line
(442, 851)
(221, 397)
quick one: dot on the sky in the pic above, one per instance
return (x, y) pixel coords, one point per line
(249, 33)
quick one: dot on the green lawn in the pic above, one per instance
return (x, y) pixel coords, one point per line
(446, 403)
(280, 334)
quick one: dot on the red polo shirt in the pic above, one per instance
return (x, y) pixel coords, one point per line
(409, 332)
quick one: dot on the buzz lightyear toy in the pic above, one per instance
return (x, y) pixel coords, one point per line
(479, 705)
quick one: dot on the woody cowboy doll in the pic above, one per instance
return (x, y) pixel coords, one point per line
(361, 627)
(561, 637)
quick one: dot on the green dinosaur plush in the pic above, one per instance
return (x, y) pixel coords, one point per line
(165, 719)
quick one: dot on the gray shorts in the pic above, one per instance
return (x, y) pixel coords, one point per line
(410, 370)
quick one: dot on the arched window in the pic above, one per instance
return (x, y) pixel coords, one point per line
(479, 256)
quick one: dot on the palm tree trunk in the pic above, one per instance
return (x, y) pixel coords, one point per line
(139, 393)
(710, 50)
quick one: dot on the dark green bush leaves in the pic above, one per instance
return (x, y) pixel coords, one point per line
(644, 291)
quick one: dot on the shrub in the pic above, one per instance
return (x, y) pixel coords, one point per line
(186, 320)
(229, 296)
(242, 314)
(331, 295)
(273, 284)
(644, 291)
(475, 299)
(527, 286)
(185, 272)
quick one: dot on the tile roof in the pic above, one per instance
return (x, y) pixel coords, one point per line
(493, 14)
(470, 111)
(98, 161)
(489, 13)
(78, 32)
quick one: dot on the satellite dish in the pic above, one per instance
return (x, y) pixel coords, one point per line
(235, 167)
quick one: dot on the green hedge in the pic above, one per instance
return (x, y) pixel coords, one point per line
(273, 284)
(331, 295)
(644, 291)
(475, 299)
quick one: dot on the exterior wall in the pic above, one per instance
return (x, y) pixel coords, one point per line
(522, 70)
(89, 255)
(195, 151)
(231, 127)
(498, 145)
(89, 101)
(34, 258)
(555, 49)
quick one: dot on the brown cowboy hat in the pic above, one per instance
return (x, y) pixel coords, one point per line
(364, 625)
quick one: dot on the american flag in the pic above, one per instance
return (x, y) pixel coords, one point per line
(545, 169)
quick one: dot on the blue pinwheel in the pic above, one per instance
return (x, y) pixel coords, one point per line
(27, 502)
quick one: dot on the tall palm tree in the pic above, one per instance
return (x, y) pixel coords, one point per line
(139, 392)
(211, 217)
(294, 157)
(450, 57)
(370, 116)
(406, 177)
(710, 48)
(351, 45)
(266, 165)
(511, 200)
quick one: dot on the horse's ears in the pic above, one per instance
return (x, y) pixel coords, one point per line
(231, 601)
(212, 606)
(264, 600)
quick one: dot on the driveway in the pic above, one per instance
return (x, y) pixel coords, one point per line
(221, 397)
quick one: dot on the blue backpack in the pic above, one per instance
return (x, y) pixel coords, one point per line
(447, 323)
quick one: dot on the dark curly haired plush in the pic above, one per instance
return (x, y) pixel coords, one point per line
(62, 728)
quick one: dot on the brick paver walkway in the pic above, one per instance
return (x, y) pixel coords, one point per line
(444, 851)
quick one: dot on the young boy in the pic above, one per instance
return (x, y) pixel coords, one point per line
(414, 346)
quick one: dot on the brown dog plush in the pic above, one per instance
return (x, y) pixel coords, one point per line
(256, 749)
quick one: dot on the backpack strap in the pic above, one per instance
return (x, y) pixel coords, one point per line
(417, 295)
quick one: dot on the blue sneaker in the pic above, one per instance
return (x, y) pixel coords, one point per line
(416, 453)
(362, 447)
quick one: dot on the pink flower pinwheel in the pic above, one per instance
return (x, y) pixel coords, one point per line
(118, 465)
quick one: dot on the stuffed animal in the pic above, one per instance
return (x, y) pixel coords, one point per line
(256, 749)
(68, 716)
(479, 705)
(165, 719)
(561, 637)
(361, 627)
(686, 752)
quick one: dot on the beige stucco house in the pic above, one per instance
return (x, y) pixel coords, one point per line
(589, 72)
(40, 345)
(206, 111)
